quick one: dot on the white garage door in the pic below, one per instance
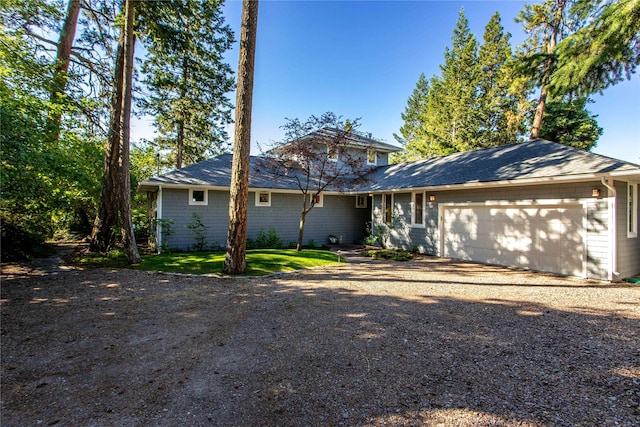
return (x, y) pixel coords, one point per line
(544, 238)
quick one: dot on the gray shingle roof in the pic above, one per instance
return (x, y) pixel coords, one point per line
(531, 160)
(537, 159)
(356, 139)
(215, 172)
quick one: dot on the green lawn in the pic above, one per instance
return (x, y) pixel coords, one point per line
(259, 261)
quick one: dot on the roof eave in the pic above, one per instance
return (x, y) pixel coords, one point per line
(503, 183)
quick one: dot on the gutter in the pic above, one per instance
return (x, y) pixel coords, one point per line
(613, 228)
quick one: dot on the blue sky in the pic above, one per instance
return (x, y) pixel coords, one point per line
(363, 59)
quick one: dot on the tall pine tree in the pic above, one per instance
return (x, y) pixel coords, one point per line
(547, 24)
(454, 122)
(413, 133)
(499, 111)
(441, 116)
(186, 77)
(601, 53)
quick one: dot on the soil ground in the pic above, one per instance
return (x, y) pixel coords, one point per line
(425, 342)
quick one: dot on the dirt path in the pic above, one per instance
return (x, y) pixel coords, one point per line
(428, 342)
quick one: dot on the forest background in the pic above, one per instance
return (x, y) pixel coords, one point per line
(56, 107)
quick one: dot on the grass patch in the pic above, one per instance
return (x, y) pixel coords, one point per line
(390, 254)
(260, 262)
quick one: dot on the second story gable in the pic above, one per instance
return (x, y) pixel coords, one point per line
(340, 145)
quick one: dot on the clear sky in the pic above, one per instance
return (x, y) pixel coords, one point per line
(363, 59)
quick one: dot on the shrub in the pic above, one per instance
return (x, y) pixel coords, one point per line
(199, 231)
(390, 254)
(266, 240)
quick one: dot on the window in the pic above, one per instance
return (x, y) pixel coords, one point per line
(332, 153)
(632, 210)
(198, 197)
(263, 198)
(372, 157)
(417, 211)
(319, 199)
(387, 207)
(361, 201)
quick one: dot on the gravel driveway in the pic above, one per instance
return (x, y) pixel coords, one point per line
(425, 342)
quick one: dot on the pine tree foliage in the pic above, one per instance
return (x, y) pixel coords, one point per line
(413, 133)
(547, 23)
(186, 78)
(473, 103)
(570, 123)
(500, 104)
(452, 126)
(601, 53)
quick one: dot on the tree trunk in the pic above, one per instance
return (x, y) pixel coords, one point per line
(114, 208)
(128, 237)
(63, 59)
(235, 261)
(303, 217)
(183, 94)
(179, 144)
(548, 70)
(103, 233)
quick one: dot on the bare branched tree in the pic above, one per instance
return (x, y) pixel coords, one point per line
(317, 155)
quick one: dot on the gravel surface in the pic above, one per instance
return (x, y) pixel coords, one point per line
(425, 342)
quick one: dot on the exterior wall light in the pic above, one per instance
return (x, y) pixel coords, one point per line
(595, 192)
(432, 197)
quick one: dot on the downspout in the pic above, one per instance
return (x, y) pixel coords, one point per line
(613, 229)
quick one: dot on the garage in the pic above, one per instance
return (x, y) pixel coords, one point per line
(544, 238)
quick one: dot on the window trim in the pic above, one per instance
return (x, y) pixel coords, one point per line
(263, 204)
(384, 208)
(413, 209)
(320, 202)
(205, 200)
(332, 157)
(375, 158)
(364, 200)
(632, 209)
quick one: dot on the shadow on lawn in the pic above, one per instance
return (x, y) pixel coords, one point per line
(129, 347)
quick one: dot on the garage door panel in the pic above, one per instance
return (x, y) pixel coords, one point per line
(539, 238)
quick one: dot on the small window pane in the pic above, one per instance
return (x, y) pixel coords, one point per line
(198, 196)
(371, 157)
(418, 208)
(387, 208)
(264, 197)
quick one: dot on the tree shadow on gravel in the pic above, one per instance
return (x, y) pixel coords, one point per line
(117, 347)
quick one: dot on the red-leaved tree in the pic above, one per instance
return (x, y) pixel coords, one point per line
(320, 154)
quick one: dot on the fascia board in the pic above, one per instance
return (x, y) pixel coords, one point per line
(492, 184)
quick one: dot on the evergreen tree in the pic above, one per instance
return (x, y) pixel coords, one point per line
(186, 77)
(441, 116)
(235, 258)
(569, 123)
(602, 53)
(114, 208)
(453, 121)
(547, 24)
(498, 103)
(412, 133)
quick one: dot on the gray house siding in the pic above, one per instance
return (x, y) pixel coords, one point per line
(338, 215)
(175, 205)
(427, 239)
(628, 247)
(598, 252)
